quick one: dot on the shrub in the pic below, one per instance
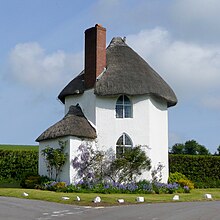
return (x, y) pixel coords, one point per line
(16, 164)
(204, 171)
(33, 181)
(175, 177)
(182, 180)
(185, 182)
(207, 183)
(55, 186)
(55, 159)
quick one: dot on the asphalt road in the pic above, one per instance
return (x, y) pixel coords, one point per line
(25, 209)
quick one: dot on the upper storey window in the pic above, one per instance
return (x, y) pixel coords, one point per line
(123, 107)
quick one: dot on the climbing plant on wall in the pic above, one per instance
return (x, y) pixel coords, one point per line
(55, 159)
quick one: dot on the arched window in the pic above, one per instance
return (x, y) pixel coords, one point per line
(123, 107)
(123, 144)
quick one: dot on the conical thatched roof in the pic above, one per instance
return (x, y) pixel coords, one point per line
(73, 124)
(126, 73)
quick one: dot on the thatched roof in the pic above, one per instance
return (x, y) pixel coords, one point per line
(73, 124)
(126, 73)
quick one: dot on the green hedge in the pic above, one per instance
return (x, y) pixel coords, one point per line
(203, 170)
(16, 164)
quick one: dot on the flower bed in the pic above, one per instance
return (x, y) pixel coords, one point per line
(141, 187)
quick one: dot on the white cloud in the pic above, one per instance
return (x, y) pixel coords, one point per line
(197, 19)
(33, 67)
(191, 69)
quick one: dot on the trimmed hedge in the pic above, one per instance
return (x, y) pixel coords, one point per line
(17, 164)
(204, 171)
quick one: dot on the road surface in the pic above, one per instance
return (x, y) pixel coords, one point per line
(25, 209)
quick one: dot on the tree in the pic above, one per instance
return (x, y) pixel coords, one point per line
(130, 165)
(202, 150)
(217, 153)
(190, 147)
(177, 149)
(55, 159)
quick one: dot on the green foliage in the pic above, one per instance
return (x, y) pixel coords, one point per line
(55, 159)
(186, 182)
(141, 187)
(55, 186)
(207, 183)
(98, 166)
(33, 181)
(15, 164)
(130, 165)
(217, 153)
(175, 177)
(157, 173)
(177, 149)
(204, 171)
(182, 180)
(190, 147)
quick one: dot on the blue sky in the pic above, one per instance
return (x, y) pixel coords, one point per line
(42, 44)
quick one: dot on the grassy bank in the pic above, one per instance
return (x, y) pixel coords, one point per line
(18, 147)
(107, 199)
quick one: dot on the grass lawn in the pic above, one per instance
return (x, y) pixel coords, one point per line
(18, 147)
(107, 199)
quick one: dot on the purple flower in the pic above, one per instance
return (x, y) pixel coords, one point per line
(106, 186)
(186, 188)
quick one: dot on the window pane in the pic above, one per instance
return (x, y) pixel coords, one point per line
(120, 141)
(120, 100)
(119, 111)
(126, 100)
(127, 140)
(127, 113)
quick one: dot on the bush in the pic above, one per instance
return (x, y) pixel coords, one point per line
(204, 171)
(55, 186)
(207, 183)
(175, 177)
(16, 164)
(34, 181)
(185, 182)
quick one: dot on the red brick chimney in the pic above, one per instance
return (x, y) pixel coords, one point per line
(95, 54)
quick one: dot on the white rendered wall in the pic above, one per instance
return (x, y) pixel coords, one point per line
(74, 145)
(87, 102)
(148, 127)
(68, 173)
(42, 169)
(158, 132)
(111, 128)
